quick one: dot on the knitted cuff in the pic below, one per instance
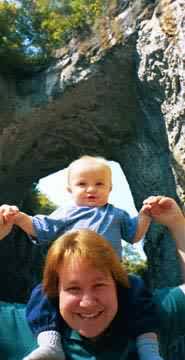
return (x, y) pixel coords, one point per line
(50, 338)
(148, 348)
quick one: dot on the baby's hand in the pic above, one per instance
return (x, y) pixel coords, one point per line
(8, 214)
(145, 209)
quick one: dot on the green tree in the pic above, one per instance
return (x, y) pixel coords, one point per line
(30, 30)
(36, 202)
(133, 261)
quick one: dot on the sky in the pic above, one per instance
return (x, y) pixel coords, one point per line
(54, 186)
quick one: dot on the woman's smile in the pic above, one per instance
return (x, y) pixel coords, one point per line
(90, 316)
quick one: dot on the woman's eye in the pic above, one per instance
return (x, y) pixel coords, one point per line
(73, 290)
(99, 285)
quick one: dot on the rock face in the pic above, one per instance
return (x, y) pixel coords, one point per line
(161, 48)
(118, 94)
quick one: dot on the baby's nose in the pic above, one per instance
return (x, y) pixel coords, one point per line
(91, 188)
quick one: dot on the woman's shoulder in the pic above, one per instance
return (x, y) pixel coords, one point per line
(136, 283)
(137, 293)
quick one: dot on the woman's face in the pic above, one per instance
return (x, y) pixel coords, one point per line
(88, 297)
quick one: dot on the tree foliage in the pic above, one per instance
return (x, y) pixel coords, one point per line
(133, 261)
(36, 202)
(30, 30)
(138, 268)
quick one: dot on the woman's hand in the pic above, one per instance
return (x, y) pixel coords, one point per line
(164, 210)
(8, 214)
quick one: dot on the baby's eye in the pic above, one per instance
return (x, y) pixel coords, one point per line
(99, 183)
(81, 183)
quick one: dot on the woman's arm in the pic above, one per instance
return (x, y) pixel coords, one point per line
(5, 229)
(165, 211)
(178, 234)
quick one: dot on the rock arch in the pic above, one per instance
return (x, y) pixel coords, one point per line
(83, 103)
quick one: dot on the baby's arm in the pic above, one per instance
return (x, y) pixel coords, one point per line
(144, 221)
(5, 229)
(10, 215)
(24, 221)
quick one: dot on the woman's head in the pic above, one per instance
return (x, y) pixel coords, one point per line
(82, 269)
(86, 245)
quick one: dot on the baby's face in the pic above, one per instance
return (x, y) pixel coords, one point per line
(90, 183)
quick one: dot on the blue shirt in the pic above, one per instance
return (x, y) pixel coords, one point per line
(112, 223)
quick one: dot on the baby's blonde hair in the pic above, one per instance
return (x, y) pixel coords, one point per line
(96, 159)
(83, 244)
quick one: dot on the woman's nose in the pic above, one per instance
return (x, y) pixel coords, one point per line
(87, 300)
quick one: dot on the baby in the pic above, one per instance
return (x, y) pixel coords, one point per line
(90, 183)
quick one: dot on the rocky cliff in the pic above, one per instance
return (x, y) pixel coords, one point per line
(117, 93)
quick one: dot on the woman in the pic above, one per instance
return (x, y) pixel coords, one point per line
(94, 292)
(96, 297)
(99, 326)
